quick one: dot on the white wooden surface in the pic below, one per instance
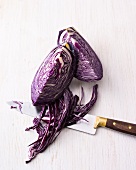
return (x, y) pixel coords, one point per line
(28, 31)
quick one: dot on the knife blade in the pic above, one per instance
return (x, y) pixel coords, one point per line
(28, 109)
(89, 126)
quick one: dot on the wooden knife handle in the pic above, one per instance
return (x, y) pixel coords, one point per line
(117, 125)
(120, 126)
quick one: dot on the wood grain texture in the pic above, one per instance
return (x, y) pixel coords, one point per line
(124, 127)
(28, 32)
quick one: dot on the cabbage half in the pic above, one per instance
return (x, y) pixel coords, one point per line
(89, 67)
(53, 76)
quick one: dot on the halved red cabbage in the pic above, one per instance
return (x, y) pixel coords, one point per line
(57, 115)
(53, 76)
(89, 67)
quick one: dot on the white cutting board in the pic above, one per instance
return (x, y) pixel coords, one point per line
(28, 32)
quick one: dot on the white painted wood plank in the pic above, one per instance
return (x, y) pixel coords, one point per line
(28, 31)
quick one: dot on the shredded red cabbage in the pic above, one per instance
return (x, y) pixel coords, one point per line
(57, 115)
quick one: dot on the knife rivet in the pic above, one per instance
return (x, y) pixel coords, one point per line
(130, 127)
(114, 123)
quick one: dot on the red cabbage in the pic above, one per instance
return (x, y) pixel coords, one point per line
(89, 67)
(53, 76)
(49, 89)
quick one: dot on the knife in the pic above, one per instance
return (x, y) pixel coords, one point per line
(89, 126)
